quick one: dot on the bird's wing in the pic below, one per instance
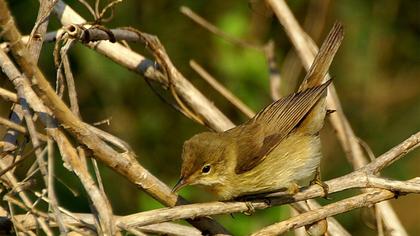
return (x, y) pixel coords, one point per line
(260, 135)
(319, 68)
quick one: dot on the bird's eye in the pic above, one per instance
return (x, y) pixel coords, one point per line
(206, 169)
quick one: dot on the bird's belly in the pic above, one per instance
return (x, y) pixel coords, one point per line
(294, 159)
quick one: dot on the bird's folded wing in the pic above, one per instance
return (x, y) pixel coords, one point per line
(275, 122)
(319, 68)
(260, 135)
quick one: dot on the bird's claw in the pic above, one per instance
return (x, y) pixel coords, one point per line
(317, 180)
(251, 209)
(292, 188)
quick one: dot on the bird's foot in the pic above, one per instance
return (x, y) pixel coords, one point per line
(251, 209)
(317, 180)
(292, 188)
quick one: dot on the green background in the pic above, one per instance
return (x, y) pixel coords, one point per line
(376, 76)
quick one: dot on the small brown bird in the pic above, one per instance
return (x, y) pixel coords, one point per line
(274, 149)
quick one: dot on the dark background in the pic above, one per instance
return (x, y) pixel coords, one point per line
(376, 76)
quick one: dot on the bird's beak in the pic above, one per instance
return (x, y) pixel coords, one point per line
(181, 183)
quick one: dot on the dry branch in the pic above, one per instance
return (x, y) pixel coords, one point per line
(83, 219)
(213, 29)
(8, 96)
(23, 85)
(123, 163)
(274, 73)
(362, 200)
(139, 64)
(222, 90)
(20, 128)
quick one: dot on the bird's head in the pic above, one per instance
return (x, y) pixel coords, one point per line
(205, 159)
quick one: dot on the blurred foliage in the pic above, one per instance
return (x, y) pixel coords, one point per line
(376, 75)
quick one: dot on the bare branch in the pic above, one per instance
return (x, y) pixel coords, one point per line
(29, 222)
(8, 96)
(20, 128)
(222, 90)
(51, 189)
(365, 199)
(274, 73)
(213, 29)
(394, 154)
(124, 163)
(139, 64)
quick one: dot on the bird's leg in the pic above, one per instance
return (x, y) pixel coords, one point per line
(292, 188)
(317, 180)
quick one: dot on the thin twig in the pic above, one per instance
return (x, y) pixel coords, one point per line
(213, 29)
(16, 163)
(394, 154)
(74, 105)
(66, 214)
(51, 189)
(20, 128)
(34, 48)
(216, 208)
(100, 201)
(81, 219)
(14, 183)
(36, 38)
(8, 96)
(221, 89)
(31, 128)
(274, 73)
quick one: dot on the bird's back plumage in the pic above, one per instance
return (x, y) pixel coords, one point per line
(273, 124)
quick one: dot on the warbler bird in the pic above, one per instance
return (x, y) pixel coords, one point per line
(276, 148)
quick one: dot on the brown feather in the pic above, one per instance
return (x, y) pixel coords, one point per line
(323, 59)
(281, 117)
(272, 125)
